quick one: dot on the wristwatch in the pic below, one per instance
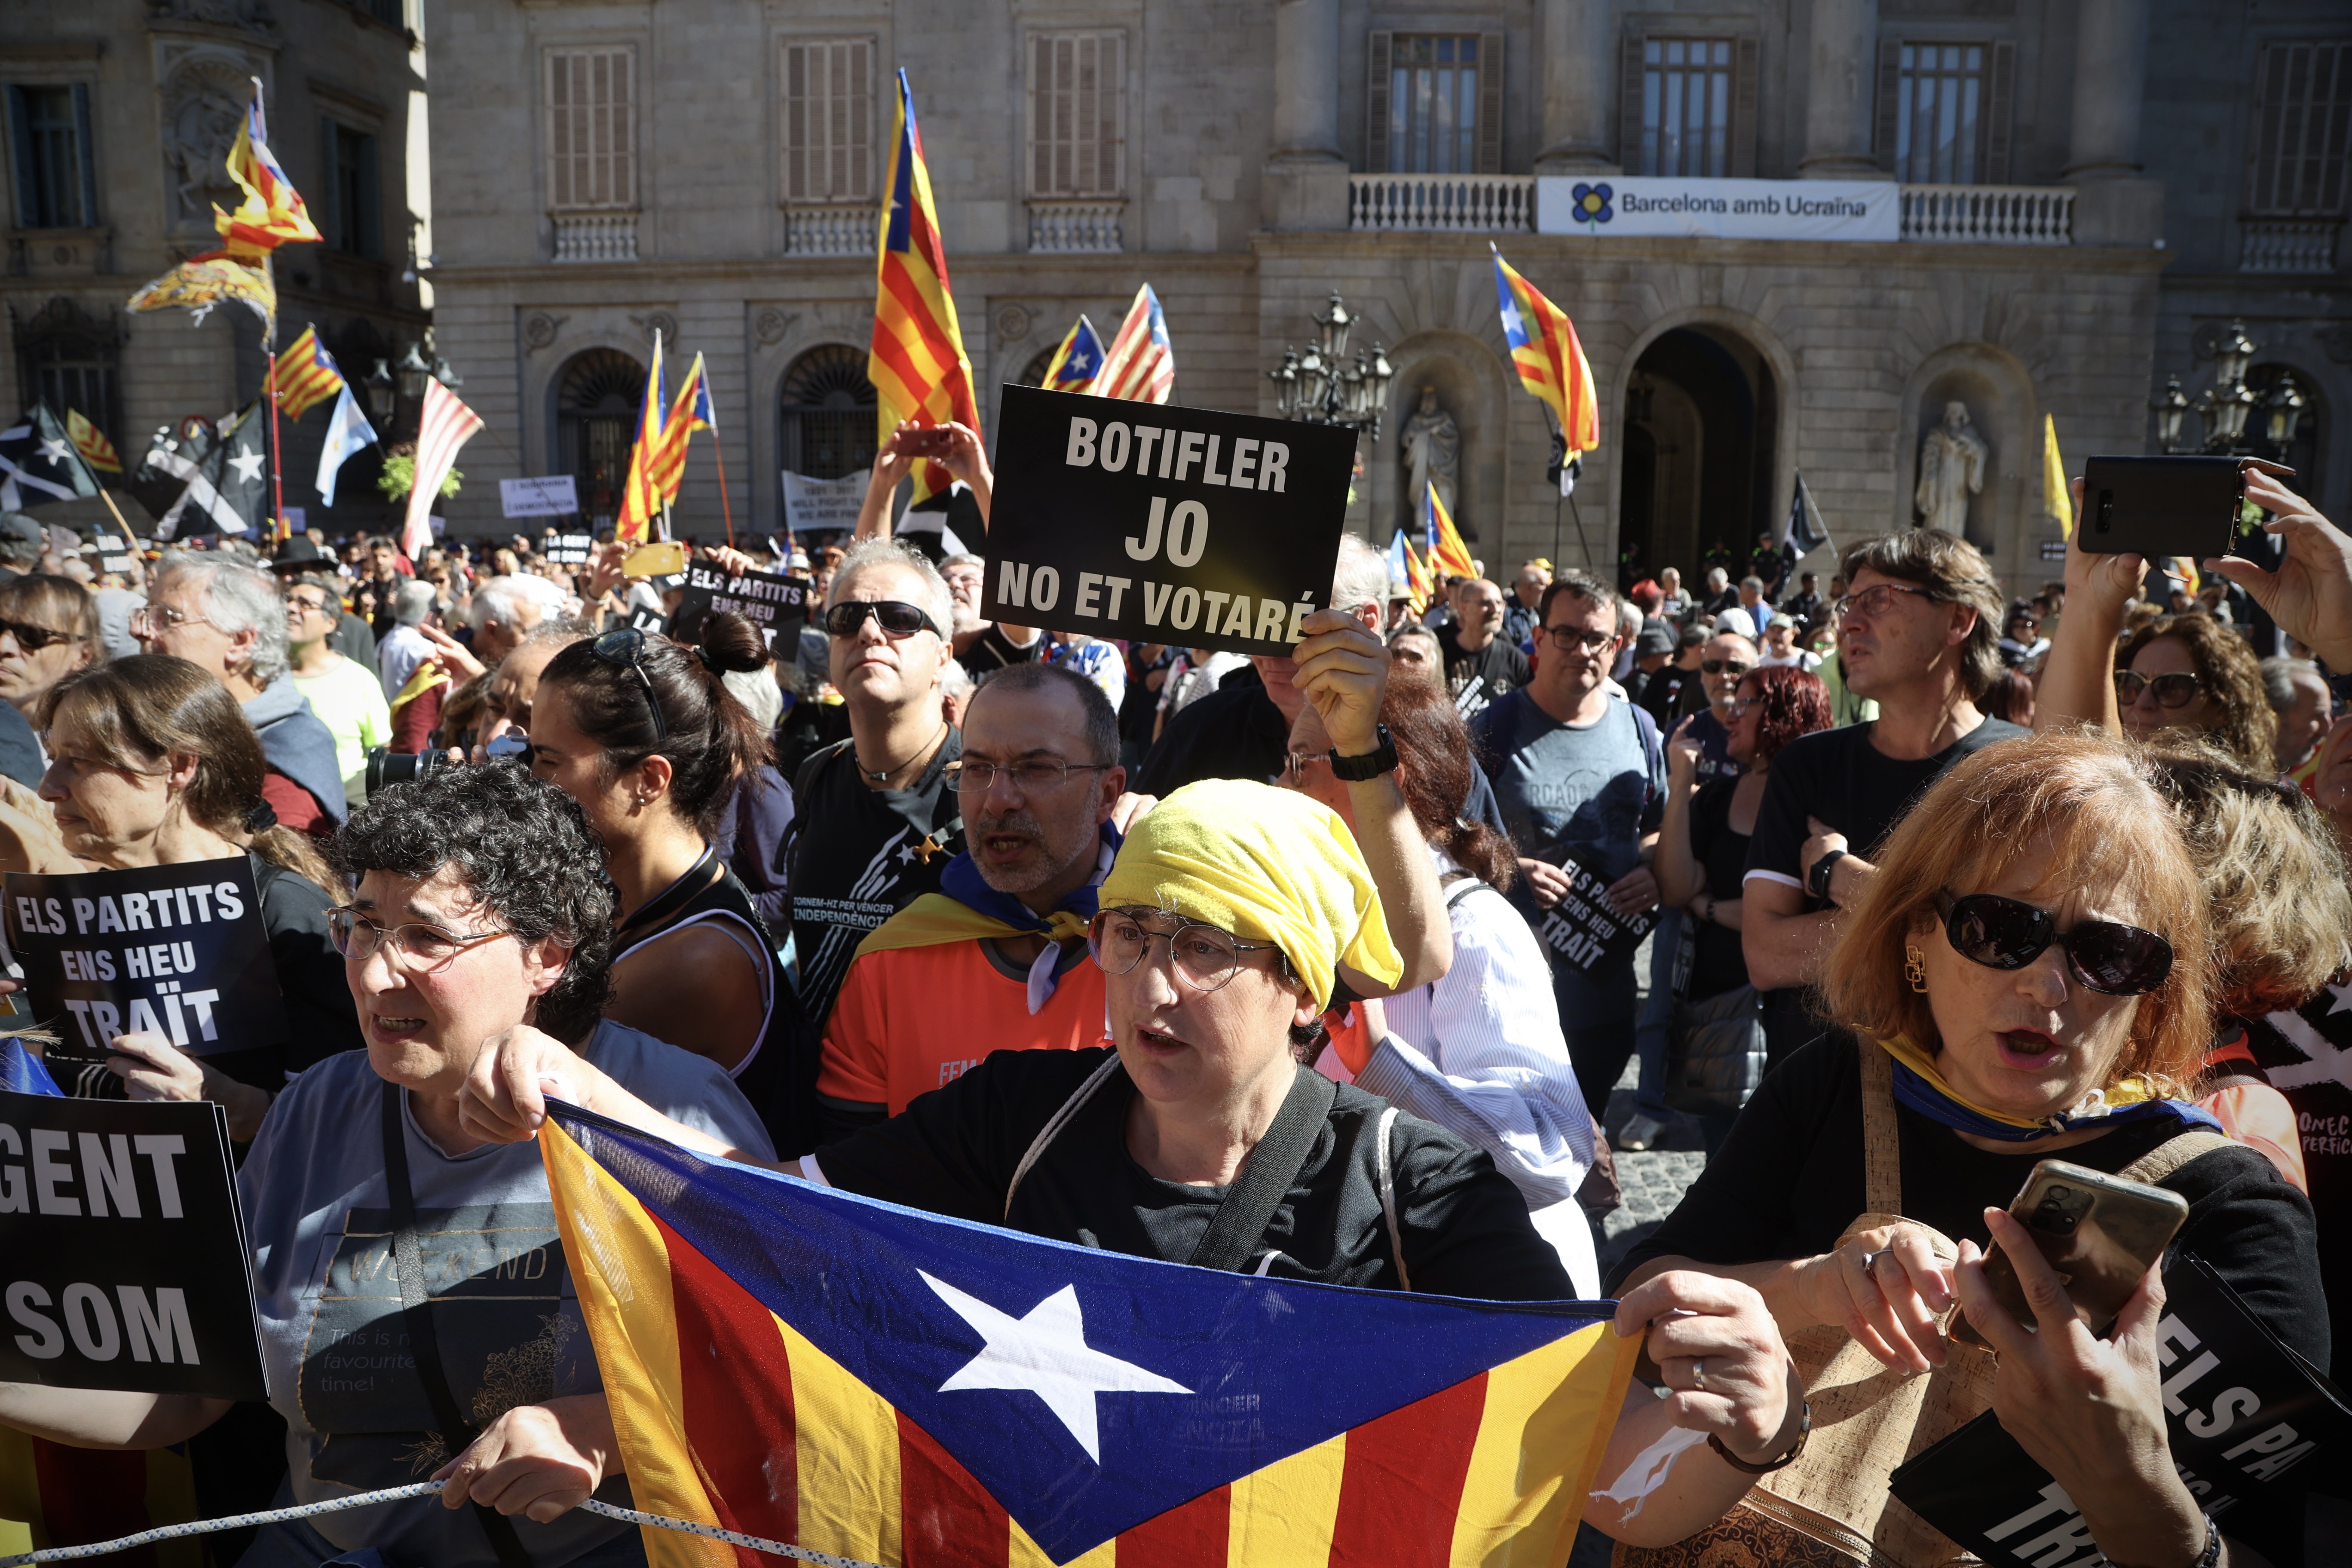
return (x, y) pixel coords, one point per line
(1818, 884)
(1382, 759)
(1804, 1430)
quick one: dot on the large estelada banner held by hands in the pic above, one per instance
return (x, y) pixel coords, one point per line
(774, 604)
(123, 1261)
(180, 951)
(1163, 524)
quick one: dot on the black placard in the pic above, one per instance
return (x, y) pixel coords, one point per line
(2248, 1422)
(180, 950)
(1582, 929)
(1163, 524)
(571, 549)
(124, 1261)
(774, 604)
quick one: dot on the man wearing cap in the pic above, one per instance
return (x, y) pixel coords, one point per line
(1654, 650)
(352, 638)
(22, 542)
(1674, 691)
(1780, 650)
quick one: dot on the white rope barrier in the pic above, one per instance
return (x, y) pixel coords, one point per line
(404, 1494)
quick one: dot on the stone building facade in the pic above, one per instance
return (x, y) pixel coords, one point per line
(2075, 192)
(118, 114)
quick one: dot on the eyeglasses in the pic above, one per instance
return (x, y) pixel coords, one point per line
(2007, 933)
(2174, 690)
(1034, 777)
(296, 608)
(1874, 600)
(1722, 666)
(1205, 956)
(898, 619)
(1567, 639)
(627, 648)
(154, 620)
(32, 639)
(421, 948)
(1743, 706)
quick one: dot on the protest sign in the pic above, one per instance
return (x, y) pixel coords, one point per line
(177, 949)
(1163, 524)
(571, 549)
(297, 519)
(1582, 929)
(823, 503)
(123, 1261)
(2243, 1417)
(776, 604)
(554, 495)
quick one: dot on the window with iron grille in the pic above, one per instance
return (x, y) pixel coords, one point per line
(825, 413)
(49, 148)
(2303, 121)
(1078, 145)
(68, 358)
(828, 119)
(592, 130)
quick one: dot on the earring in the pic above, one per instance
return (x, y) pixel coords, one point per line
(1914, 967)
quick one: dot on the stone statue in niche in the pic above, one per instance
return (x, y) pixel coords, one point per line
(1431, 445)
(1952, 470)
(204, 105)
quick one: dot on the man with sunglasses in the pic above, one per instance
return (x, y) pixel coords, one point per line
(1579, 775)
(1917, 631)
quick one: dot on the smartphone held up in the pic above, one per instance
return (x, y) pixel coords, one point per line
(2100, 1232)
(2159, 507)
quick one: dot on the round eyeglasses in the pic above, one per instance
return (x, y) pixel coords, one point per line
(1205, 956)
(421, 948)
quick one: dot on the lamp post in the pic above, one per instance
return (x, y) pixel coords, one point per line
(1323, 385)
(383, 396)
(2224, 408)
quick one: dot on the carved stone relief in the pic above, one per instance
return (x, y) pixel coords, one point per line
(770, 325)
(662, 321)
(539, 329)
(203, 102)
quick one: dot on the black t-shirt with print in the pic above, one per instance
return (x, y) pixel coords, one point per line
(995, 650)
(954, 1152)
(860, 856)
(1860, 791)
(1474, 680)
(2307, 1057)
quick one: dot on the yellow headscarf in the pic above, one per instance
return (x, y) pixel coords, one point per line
(1266, 863)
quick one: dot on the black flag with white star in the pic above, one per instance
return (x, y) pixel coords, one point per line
(38, 463)
(227, 483)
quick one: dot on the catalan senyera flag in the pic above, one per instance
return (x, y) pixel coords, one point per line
(641, 498)
(1447, 553)
(2056, 498)
(852, 1377)
(1078, 361)
(1139, 364)
(272, 213)
(1549, 358)
(91, 443)
(689, 412)
(306, 375)
(917, 361)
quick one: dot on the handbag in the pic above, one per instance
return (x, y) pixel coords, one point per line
(1714, 1052)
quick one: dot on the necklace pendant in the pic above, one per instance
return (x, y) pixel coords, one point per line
(927, 848)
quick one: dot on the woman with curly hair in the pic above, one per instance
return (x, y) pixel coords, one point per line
(480, 907)
(2191, 673)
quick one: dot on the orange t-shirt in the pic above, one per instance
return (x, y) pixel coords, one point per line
(910, 1019)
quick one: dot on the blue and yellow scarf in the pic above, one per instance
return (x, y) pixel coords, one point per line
(1919, 1086)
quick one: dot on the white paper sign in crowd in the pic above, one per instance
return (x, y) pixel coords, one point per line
(1719, 209)
(823, 503)
(551, 495)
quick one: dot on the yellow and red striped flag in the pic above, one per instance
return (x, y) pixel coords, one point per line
(1139, 366)
(306, 375)
(641, 497)
(444, 426)
(1447, 553)
(846, 1376)
(1549, 358)
(91, 443)
(917, 361)
(689, 412)
(272, 213)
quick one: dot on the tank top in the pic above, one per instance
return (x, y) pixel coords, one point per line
(767, 1075)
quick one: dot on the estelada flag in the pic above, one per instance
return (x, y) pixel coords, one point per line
(272, 213)
(689, 412)
(916, 361)
(1447, 554)
(1077, 360)
(91, 443)
(640, 496)
(306, 375)
(1549, 358)
(852, 1377)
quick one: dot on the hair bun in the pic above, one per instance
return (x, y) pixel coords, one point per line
(731, 642)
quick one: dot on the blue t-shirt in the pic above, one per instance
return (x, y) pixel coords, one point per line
(334, 1344)
(1592, 790)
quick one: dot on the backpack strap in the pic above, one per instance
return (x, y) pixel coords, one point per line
(2168, 1156)
(1267, 1175)
(1054, 1125)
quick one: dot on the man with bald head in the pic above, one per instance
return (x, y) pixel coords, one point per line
(1480, 664)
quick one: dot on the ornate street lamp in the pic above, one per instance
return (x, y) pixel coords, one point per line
(413, 373)
(1284, 377)
(2285, 406)
(382, 397)
(2224, 408)
(1325, 386)
(2170, 405)
(2234, 354)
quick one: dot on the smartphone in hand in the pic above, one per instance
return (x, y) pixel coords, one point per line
(2157, 507)
(2101, 1233)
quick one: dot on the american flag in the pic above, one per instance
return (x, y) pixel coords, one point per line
(447, 425)
(307, 375)
(1139, 366)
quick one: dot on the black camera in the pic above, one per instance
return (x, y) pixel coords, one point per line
(387, 767)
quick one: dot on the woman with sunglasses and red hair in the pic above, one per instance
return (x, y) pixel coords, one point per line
(644, 734)
(2031, 975)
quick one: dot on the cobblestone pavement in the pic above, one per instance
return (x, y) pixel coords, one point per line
(1651, 1181)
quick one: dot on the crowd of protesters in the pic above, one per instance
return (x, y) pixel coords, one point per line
(1038, 929)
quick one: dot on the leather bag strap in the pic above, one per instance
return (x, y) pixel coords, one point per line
(1240, 1222)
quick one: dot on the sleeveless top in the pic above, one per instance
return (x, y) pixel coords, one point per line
(776, 1085)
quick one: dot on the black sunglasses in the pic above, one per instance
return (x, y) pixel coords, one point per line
(1718, 665)
(32, 639)
(899, 618)
(2174, 690)
(627, 648)
(2005, 933)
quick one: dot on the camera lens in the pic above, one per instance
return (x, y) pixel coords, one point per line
(386, 767)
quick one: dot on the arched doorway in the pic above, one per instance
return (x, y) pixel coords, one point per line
(597, 402)
(824, 413)
(1702, 417)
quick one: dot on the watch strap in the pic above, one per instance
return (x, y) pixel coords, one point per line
(1382, 759)
(1822, 868)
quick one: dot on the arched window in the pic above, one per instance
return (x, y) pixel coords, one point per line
(1035, 374)
(68, 358)
(596, 406)
(824, 413)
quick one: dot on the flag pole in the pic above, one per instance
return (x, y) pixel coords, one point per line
(129, 538)
(269, 347)
(726, 506)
